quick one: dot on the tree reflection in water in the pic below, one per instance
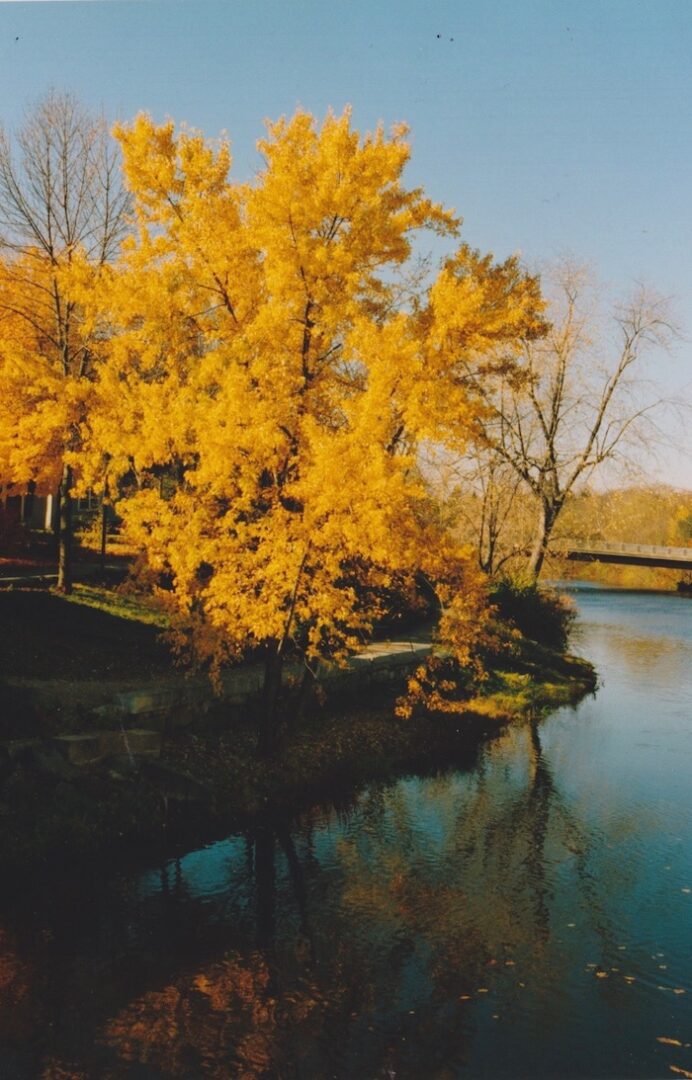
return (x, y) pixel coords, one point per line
(353, 945)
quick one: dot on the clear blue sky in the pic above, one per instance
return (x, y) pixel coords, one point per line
(552, 126)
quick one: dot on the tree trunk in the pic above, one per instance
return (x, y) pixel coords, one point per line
(55, 520)
(270, 698)
(546, 521)
(104, 533)
(537, 555)
(65, 532)
(306, 693)
(265, 885)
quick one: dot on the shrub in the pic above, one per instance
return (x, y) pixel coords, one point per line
(538, 612)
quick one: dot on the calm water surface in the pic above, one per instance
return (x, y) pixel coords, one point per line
(529, 918)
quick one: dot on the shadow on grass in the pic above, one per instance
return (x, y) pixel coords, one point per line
(44, 636)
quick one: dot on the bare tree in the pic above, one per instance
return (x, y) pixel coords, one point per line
(575, 402)
(484, 501)
(492, 509)
(60, 199)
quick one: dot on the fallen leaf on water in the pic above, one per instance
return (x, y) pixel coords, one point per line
(482, 990)
(667, 1041)
(601, 974)
(679, 1071)
(465, 997)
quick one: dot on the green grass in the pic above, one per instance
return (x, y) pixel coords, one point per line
(514, 694)
(122, 605)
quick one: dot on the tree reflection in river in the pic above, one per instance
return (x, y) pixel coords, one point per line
(15, 991)
(471, 922)
(374, 943)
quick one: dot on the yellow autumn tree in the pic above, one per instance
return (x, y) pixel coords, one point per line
(268, 392)
(62, 216)
(39, 399)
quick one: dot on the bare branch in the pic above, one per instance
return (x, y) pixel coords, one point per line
(577, 404)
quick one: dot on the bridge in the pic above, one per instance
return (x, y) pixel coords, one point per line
(671, 558)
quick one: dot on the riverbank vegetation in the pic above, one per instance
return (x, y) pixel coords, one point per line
(208, 777)
(256, 377)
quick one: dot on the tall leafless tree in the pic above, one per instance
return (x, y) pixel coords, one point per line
(60, 198)
(576, 401)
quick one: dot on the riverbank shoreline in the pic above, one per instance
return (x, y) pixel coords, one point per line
(207, 779)
(545, 880)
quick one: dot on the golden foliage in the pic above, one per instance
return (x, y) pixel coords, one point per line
(265, 394)
(34, 412)
(63, 214)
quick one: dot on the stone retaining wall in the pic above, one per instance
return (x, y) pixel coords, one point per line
(379, 664)
(131, 722)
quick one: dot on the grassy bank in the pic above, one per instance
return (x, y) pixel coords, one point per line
(208, 779)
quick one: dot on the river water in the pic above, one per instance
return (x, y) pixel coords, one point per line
(530, 917)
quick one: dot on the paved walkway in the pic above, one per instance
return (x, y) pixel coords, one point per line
(83, 572)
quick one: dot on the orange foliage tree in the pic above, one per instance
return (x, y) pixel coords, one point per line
(269, 391)
(62, 216)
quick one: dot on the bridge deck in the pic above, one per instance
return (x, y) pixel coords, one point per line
(671, 558)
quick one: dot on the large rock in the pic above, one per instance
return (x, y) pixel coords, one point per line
(6, 763)
(140, 742)
(80, 749)
(49, 762)
(154, 699)
(20, 749)
(175, 785)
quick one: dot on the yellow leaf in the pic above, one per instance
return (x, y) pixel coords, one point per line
(264, 394)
